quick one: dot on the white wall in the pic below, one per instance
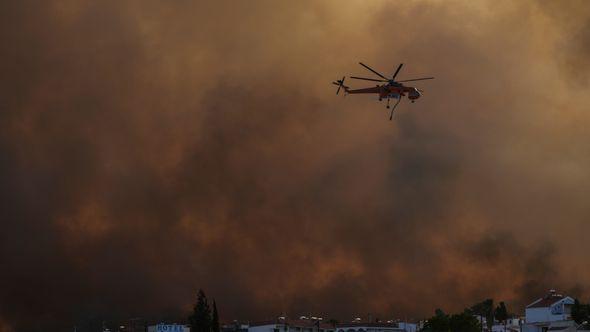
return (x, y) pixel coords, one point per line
(374, 329)
(408, 327)
(281, 328)
(534, 315)
(265, 328)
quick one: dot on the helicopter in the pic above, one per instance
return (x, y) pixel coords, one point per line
(392, 89)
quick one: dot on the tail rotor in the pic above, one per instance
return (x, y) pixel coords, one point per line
(340, 84)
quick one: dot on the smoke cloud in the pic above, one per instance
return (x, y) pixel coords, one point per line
(151, 148)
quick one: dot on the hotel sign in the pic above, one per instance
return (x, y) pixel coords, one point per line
(171, 328)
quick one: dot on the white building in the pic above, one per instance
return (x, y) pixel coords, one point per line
(314, 324)
(512, 325)
(550, 313)
(291, 325)
(377, 327)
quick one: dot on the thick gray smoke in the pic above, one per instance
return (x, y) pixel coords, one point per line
(152, 148)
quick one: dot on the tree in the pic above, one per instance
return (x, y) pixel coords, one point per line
(580, 312)
(577, 312)
(502, 314)
(438, 323)
(464, 322)
(485, 309)
(215, 319)
(200, 319)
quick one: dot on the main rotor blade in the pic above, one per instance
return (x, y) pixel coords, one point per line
(367, 79)
(418, 79)
(397, 71)
(374, 72)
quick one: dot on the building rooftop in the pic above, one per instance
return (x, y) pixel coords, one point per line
(365, 324)
(306, 323)
(546, 301)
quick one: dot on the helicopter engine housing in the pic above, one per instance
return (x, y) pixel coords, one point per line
(414, 94)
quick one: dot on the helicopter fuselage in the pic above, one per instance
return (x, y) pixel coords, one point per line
(397, 90)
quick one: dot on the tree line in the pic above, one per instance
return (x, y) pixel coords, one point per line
(203, 318)
(466, 321)
(581, 313)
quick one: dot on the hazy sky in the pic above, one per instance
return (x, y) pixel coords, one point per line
(150, 148)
